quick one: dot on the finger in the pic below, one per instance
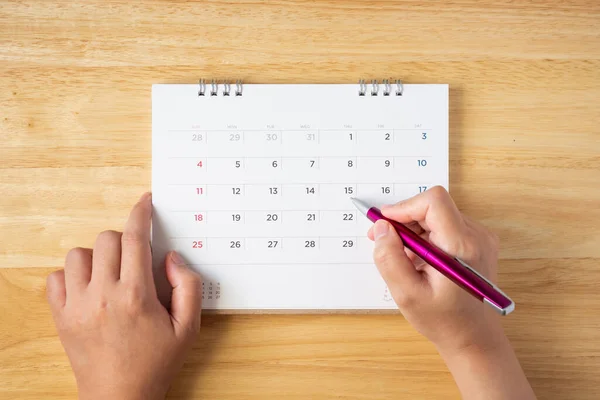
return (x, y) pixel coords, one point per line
(411, 256)
(186, 300)
(419, 264)
(56, 291)
(413, 226)
(78, 270)
(433, 209)
(136, 262)
(106, 260)
(417, 261)
(399, 273)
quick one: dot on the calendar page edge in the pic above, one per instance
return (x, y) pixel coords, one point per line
(272, 311)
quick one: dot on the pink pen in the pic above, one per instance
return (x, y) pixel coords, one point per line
(453, 268)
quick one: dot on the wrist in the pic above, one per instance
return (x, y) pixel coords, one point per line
(485, 348)
(488, 369)
(111, 393)
(123, 396)
(473, 337)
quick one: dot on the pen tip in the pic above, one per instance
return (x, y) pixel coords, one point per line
(362, 207)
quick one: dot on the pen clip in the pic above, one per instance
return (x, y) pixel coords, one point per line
(499, 310)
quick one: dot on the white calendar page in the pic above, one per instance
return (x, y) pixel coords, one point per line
(254, 190)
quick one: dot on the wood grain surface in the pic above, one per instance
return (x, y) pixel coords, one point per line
(524, 76)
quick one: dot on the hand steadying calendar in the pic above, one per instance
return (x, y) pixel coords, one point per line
(252, 184)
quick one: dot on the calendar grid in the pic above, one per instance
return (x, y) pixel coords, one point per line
(265, 237)
(298, 130)
(264, 182)
(259, 210)
(297, 157)
(297, 184)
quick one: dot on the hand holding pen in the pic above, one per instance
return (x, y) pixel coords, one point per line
(450, 266)
(467, 333)
(434, 304)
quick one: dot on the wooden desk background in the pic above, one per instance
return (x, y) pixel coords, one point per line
(525, 160)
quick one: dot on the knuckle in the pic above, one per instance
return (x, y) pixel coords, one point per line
(193, 327)
(385, 259)
(63, 325)
(194, 285)
(63, 322)
(133, 237)
(135, 299)
(404, 301)
(473, 250)
(438, 193)
(381, 256)
(99, 311)
(455, 247)
(195, 280)
(53, 278)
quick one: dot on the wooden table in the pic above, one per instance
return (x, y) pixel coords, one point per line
(75, 154)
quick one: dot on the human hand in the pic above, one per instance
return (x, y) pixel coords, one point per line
(121, 341)
(438, 308)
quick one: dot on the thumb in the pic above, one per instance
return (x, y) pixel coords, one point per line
(393, 264)
(186, 299)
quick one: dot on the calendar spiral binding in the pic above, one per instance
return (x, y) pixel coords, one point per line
(362, 88)
(214, 88)
(387, 87)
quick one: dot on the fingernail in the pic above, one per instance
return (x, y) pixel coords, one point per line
(380, 229)
(177, 258)
(386, 207)
(146, 197)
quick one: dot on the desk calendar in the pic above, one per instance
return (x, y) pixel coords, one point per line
(252, 185)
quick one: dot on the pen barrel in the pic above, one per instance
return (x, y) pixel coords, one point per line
(467, 278)
(455, 270)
